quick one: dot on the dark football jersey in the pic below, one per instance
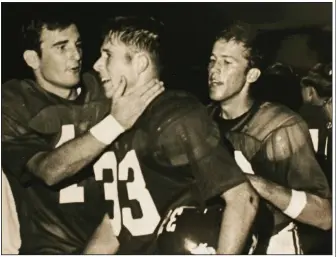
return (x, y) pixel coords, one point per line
(274, 142)
(316, 241)
(58, 219)
(321, 132)
(173, 148)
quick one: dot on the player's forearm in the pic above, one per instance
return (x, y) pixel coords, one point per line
(238, 217)
(103, 240)
(68, 159)
(316, 212)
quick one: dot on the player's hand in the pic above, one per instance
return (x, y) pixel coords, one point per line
(127, 106)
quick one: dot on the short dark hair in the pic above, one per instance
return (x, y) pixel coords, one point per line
(320, 77)
(280, 84)
(246, 34)
(32, 29)
(141, 34)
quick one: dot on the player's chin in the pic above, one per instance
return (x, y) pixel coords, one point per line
(215, 95)
(109, 93)
(72, 80)
(68, 83)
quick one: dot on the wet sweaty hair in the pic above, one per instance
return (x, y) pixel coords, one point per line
(137, 33)
(246, 34)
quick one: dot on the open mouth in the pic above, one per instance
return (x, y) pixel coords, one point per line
(215, 83)
(104, 80)
(75, 69)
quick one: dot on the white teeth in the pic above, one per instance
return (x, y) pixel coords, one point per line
(104, 80)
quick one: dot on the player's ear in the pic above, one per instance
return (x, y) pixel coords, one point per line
(32, 59)
(313, 96)
(253, 75)
(141, 62)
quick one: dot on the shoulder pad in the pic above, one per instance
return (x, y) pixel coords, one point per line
(178, 121)
(17, 98)
(168, 107)
(14, 88)
(268, 118)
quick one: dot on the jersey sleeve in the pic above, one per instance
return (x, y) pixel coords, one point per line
(192, 138)
(288, 158)
(19, 145)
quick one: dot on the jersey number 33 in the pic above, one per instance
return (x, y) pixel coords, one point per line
(136, 190)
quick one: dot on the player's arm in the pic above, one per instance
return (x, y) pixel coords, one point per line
(222, 176)
(68, 159)
(307, 196)
(103, 240)
(311, 209)
(217, 174)
(238, 217)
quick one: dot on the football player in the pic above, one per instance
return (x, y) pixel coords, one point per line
(316, 87)
(317, 92)
(270, 141)
(53, 128)
(173, 148)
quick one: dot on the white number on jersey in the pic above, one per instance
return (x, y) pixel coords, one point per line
(243, 163)
(73, 193)
(171, 226)
(314, 137)
(108, 161)
(136, 190)
(314, 133)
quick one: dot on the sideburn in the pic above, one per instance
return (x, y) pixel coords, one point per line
(128, 57)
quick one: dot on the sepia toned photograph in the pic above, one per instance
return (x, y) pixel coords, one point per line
(167, 128)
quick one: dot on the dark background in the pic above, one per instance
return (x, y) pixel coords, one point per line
(298, 34)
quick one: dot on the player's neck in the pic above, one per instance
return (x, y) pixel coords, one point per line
(327, 108)
(151, 74)
(147, 78)
(66, 93)
(236, 106)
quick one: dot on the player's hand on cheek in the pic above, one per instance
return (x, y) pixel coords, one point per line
(127, 106)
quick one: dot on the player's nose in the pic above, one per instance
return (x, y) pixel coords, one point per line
(97, 65)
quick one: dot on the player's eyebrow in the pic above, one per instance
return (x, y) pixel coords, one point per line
(227, 56)
(63, 42)
(105, 50)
